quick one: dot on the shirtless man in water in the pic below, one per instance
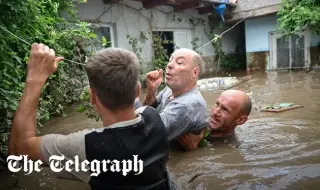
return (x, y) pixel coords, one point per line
(232, 108)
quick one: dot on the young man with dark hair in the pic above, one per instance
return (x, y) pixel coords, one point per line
(113, 78)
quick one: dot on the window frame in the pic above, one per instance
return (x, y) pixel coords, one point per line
(111, 27)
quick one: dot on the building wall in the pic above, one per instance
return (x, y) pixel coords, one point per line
(130, 18)
(246, 5)
(257, 42)
(257, 33)
(254, 8)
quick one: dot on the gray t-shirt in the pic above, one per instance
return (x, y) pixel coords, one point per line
(185, 113)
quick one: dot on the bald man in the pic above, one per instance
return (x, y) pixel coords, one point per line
(181, 106)
(232, 108)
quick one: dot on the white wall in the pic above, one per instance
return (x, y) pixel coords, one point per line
(129, 19)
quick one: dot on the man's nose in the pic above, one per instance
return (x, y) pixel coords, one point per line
(216, 111)
(170, 65)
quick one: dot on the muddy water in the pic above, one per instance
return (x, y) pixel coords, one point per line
(270, 151)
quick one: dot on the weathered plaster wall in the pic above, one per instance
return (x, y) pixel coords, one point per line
(257, 60)
(257, 41)
(129, 17)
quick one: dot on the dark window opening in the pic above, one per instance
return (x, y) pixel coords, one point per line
(166, 38)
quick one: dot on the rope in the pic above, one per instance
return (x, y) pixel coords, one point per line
(30, 44)
(224, 32)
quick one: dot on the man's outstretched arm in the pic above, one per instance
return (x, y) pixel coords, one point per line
(23, 140)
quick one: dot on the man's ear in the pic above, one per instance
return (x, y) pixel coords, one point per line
(92, 95)
(242, 119)
(196, 72)
(138, 90)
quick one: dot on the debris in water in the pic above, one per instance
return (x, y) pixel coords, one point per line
(221, 83)
(280, 107)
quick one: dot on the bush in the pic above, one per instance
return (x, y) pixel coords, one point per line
(39, 21)
(296, 15)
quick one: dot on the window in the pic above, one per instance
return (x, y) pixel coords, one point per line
(289, 52)
(105, 37)
(166, 40)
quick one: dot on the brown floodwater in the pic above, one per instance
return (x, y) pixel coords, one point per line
(270, 151)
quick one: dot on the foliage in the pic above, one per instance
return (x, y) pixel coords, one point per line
(296, 15)
(87, 107)
(204, 142)
(39, 21)
(159, 54)
(195, 45)
(134, 42)
(226, 61)
(217, 46)
(233, 61)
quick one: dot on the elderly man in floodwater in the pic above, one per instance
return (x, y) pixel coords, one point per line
(181, 106)
(232, 108)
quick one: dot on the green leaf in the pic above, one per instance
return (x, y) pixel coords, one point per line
(81, 109)
(103, 39)
(92, 35)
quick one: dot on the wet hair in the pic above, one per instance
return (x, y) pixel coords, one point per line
(114, 73)
(247, 106)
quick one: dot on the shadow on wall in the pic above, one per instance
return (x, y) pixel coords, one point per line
(228, 63)
(315, 55)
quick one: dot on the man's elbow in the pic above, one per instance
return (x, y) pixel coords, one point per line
(190, 141)
(17, 148)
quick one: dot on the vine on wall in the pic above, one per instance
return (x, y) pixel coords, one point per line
(195, 45)
(135, 44)
(159, 53)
